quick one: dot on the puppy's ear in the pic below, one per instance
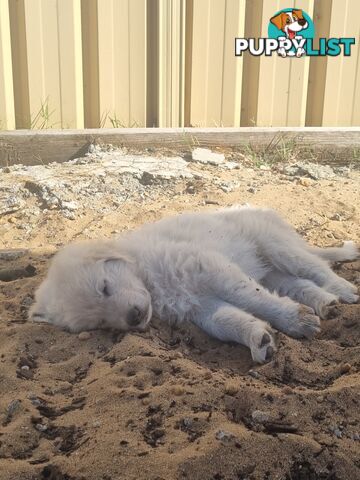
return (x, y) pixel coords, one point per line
(298, 13)
(109, 256)
(122, 257)
(278, 21)
(105, 251)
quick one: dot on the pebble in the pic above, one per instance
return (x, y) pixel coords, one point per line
(287, 390)
(254, 374)
(40, 427)
(305, 182)
(345, 368)
(231, 387)
(13, 406)
(12, 254)
(320, 398)
(222, 435)
(178, 390)
(260, 417)
(84, 335)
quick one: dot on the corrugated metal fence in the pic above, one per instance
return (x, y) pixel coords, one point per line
(167, 63)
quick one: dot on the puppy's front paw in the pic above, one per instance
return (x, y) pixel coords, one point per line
(307, 324)
(262, 345)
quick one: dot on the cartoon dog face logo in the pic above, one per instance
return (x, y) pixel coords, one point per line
(291, 23)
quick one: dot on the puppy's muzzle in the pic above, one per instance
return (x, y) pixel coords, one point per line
(136, 316)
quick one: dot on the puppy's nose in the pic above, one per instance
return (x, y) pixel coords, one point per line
(301, 21)
(134, 316)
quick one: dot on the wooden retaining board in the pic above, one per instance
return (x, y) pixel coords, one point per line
(31, 147)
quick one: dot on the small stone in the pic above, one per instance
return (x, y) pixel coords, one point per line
(287, 390)
(356, 437)
(40, 427)
(222, 435)
(345, 368)
(252, 190)
(84, 335)
(320, 398)
(25, 367)
(69, 205)
(96, 424)
(305, 182)
(12, 254)
(178, 390)
(260, 417)
(231, 387)
(231, 165)
(254, 374)
(13, 406)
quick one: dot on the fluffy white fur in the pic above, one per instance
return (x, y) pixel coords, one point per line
(235, 273)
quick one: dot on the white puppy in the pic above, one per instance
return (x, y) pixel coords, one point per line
(234, 273)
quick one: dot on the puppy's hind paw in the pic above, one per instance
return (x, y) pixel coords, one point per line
(262, 346)
(307, 324)
(346, 291)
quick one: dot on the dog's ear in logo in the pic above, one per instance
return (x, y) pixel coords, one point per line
(279, 20)
(299, 16)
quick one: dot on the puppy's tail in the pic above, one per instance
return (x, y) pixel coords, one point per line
(349, 251)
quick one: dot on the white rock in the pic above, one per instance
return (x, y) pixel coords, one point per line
(259, 416)
(204, 155)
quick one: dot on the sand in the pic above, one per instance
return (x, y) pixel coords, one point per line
(174, 403)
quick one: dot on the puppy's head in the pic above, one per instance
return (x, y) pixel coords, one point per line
(92, 285)
(290, 22)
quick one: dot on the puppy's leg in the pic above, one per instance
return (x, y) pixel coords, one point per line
(301, 290)
(349, 251)
(293, 259)
(227, 282)
(228, 323)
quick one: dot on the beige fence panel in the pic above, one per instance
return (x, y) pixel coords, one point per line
(251, 66)
(318, 65)
(342, 72)
(215, 71)
(172, 18)
(169, 63)
(7, 112)
(122, 62)
(283, 82)
(54, 66)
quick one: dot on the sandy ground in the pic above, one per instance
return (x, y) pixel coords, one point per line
(176, 404)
